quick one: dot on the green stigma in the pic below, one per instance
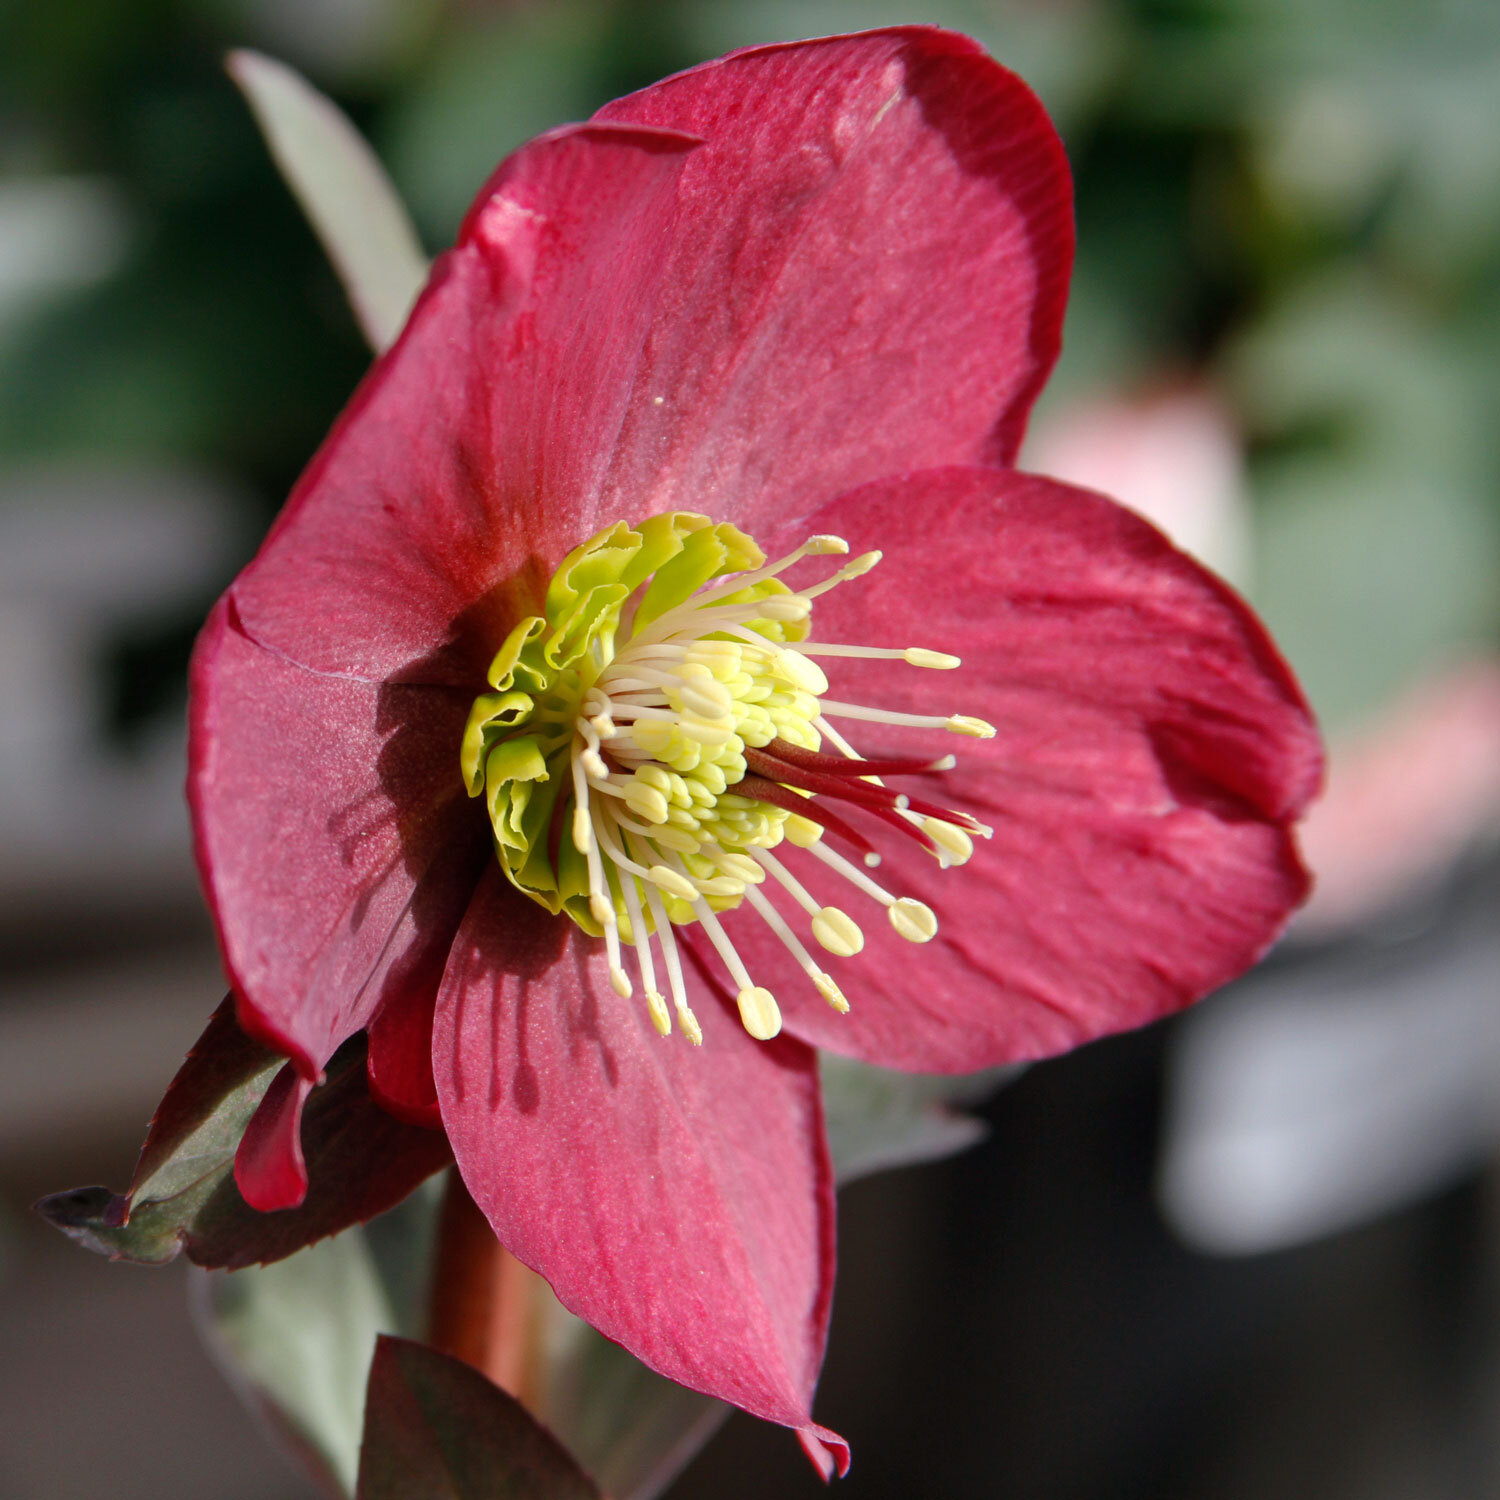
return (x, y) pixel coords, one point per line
(656, 732)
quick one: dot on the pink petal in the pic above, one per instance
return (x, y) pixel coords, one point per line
(399, 1065)
(471, 458)
(678, 1198)
(269, 1167)
(868, 273)
(336, 841)
(1151, 750)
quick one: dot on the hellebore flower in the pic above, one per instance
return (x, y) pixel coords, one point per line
(502, 751)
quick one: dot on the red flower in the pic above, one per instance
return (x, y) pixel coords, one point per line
(807, 289)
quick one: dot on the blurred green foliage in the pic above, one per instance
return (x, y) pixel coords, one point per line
(1296, 201)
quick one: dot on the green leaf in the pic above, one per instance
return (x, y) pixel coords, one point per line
(878, 1118)
(360, 1161)
(631, 1427)
(343, 189)
(302, 1332)
(188, 1152)
(438, 1430)
(627, 1425)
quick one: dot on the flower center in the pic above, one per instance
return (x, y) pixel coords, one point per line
(659, 731)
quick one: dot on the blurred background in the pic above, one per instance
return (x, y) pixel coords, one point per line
(1251, 1254)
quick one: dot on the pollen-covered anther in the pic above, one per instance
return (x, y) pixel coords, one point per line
(759, 1012)
(661, 1017)
(690, 1027)
(830, 992)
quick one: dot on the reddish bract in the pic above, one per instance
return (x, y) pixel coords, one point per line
(812, 287)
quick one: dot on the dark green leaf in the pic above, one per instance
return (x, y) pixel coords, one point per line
(360, 1161)
(437, 1430)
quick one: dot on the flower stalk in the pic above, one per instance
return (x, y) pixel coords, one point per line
(485, 1305)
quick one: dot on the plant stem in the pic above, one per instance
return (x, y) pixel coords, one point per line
(484, 1302)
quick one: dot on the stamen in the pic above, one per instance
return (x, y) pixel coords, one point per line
(777, 923)
(685, 1017)
(618, 978)
(855, 569)
(785, 878)
(715, 933)
(913, 920)
(913, 656)
(696, 745)
(953, 723)
(953, 841)
(660, 1018)
(814, 546)
(758, 1009)
(838, 932)
(916, 922)
(852, 873)
(759, 1012)
(600, 905)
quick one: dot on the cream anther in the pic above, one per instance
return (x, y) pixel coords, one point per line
(966, 724)
(784, 607)
(912, 920)
(690, 1027)
(916, 656)
(951, 840)
(620, 982)
(800, 672)
(759, 1012)
(673, 883)
(824, 545)
(646, 802)
(837, 932)
(802, 832)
